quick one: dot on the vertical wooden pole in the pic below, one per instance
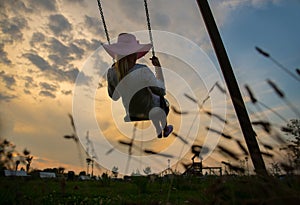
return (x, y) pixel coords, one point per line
(233, 88)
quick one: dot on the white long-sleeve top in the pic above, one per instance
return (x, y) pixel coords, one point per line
(136, 89)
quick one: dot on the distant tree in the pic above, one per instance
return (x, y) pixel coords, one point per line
(55, 170)
(71, 175)
(28, 159)
(17, 164)
(35, 173)
(49, 170)
(6, 155)
(105, 179)
(61, 170)
(293, 147)
(26, 152)
(104, 176)
(275, 169)
(147, 170)
(82, 173)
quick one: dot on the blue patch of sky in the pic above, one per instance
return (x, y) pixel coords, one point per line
(274, 28)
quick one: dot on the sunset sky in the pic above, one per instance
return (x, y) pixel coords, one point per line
(46, 44)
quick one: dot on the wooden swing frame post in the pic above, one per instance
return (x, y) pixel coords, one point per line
(233, 88)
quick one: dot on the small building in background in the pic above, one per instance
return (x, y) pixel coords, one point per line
(47, 175)
(15, 173)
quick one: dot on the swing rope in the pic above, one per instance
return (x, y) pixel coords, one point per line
(158, 70)
(103, 21)
(149, 26)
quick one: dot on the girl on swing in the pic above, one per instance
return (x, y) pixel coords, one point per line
(142, 93)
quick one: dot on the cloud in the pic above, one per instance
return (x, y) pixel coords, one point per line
(9, 80)
(3, 56)
(59, 60)
(76, 1)
(43, 5)
(68, 75)
(93, 45)
(94, 25)
(61, 54)
(37, 37)
(6, 98)
(46, 93)
(57, 47)
(38, 61)
(29, 82)
(76, 50)
(12, 29)
(51, 71)
(162, 20)
(83, 79)
(26, 91)
(66, 92)
(59, 24)
(260, 3)
(48, 87)
(134, 10)
(237, 3)
(8, 6)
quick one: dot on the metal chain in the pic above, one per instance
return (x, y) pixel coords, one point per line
(158, 71)
(149, 26)
(103, 20)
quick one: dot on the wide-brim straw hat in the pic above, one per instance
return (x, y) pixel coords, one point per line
(126, 45)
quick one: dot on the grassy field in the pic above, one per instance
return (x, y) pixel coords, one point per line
(140, 190)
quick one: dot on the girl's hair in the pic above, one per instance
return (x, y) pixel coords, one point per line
(122, 68)
(123, 65)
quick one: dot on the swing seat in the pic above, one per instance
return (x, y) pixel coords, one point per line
(128, 118)
(143, 117)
